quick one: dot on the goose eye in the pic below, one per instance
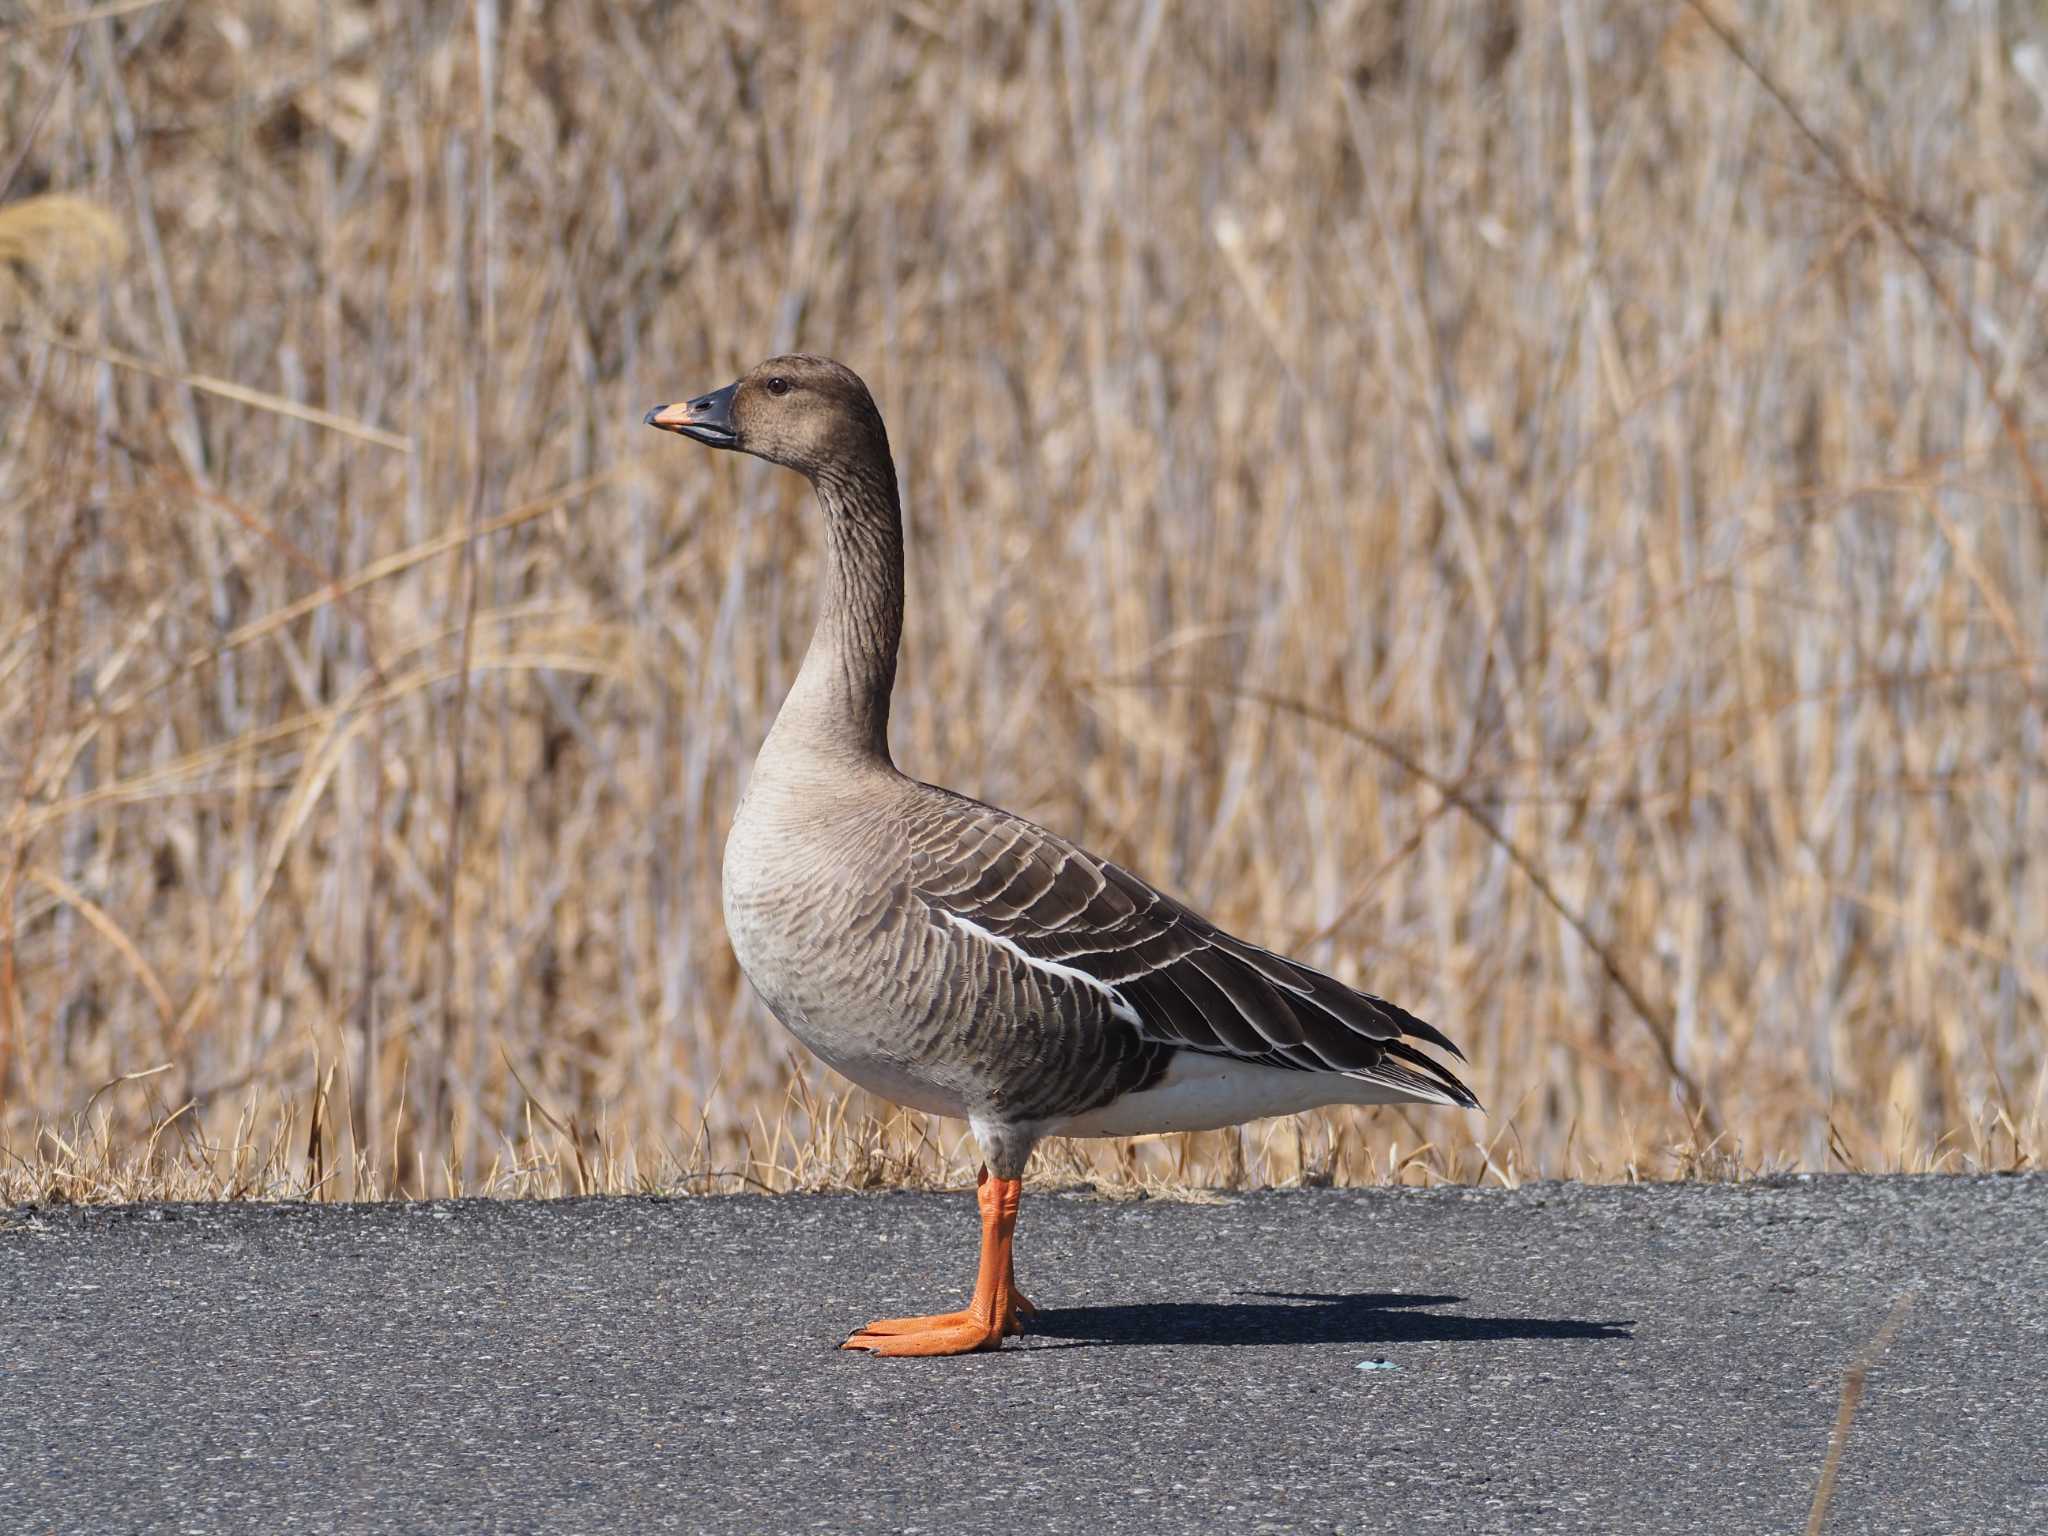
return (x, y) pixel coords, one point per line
(778, 385)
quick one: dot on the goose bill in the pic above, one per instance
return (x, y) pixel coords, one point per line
(707, 418)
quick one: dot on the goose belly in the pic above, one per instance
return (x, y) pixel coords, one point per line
(884, 1076)
(857, 1043)
(1207, 1093)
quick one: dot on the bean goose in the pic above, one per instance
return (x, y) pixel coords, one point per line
(961, 960)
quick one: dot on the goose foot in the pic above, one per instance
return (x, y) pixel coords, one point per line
(897, 1327)
(997, 1310)
(950, 1333)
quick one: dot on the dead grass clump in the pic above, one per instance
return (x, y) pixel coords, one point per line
(1535, 508)
(51, 243)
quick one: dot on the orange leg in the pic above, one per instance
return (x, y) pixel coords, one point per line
(995, 1309)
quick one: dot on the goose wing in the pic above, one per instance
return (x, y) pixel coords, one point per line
(1163, 969)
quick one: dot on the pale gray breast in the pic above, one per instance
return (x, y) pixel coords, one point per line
(818, 909)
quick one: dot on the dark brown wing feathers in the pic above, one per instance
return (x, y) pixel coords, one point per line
(1191, 985)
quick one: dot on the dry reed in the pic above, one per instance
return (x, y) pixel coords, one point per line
(1531, 505)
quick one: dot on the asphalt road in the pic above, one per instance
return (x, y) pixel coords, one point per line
(1557, 1358)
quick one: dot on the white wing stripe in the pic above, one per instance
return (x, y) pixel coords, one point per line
(1117, 1005)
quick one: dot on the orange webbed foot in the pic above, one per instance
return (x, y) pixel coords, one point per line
(938, 1322)
(942, 1333)
(886, 1327)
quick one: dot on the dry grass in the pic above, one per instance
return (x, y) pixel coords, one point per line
(1502, 499)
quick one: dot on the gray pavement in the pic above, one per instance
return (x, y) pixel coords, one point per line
(1557, 1358)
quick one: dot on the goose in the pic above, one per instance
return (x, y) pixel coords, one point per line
(961, 960)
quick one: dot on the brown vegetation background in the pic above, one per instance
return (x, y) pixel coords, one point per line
(1536, 507)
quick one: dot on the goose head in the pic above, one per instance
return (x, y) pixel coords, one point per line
(809, 413)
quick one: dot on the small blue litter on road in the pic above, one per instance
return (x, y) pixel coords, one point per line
(1376, 1365)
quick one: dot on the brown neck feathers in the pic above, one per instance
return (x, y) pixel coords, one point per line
(851, 667)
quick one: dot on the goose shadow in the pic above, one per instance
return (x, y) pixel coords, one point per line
(1288, 1317)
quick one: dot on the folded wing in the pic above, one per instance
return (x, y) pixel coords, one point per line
(1163, 969)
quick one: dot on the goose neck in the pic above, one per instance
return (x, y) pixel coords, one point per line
(840, 701)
